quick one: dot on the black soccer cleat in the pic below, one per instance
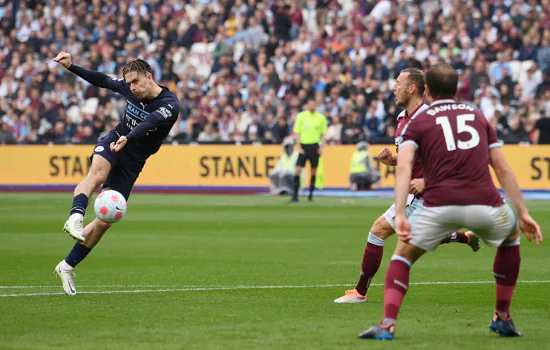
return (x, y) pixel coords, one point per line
(293, 200)
(504, 327)
(473, 241)
(379, 332)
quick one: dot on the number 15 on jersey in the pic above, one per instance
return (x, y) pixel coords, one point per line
(461, 127)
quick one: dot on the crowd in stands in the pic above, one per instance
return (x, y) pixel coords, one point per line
(243, 69)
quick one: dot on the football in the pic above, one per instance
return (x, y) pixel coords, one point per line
(110, 206)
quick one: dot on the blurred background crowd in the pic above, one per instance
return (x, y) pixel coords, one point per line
(243, 69)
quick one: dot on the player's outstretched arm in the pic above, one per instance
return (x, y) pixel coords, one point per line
(402, 182)
(324, 130)
(296, 137)
(507, 179)
(509, 184)
(323, 143)
(296, 131)
(95, 78)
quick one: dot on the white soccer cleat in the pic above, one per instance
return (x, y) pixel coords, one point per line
(75, 227)
(67, 278)
(352, 296)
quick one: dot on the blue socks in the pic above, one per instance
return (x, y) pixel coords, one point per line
(80, 202)
(77, 254)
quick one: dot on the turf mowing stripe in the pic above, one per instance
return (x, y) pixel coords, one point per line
(188, 289)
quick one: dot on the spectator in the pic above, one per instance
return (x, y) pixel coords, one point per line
(334, 132)
(255, 35)
(271, 128)
(478, 75)
(352, 132)
(541, 135)
(530, 81)
(497, 72)
(282, 23)
(544, 85)
(515, 133)
(543, 53)
(284, 128)
(254, 130)
(6, 135)
(209, 134)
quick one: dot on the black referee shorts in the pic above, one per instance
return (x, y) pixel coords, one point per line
(311, 153)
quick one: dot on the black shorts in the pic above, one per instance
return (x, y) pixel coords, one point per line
(125, 165)
(311, 153)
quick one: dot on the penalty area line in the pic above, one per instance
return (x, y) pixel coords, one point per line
(171, 289)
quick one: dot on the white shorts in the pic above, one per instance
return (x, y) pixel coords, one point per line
(429, 225)
(412, 204)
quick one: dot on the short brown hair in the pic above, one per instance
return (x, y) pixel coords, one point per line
(137, 65)
(442, 80)
(416, 78)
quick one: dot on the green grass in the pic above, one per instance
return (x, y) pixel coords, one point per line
(169, 243)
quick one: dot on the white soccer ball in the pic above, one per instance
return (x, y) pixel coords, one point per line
(110, 206)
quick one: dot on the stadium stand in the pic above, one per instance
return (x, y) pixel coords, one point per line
(243, 69)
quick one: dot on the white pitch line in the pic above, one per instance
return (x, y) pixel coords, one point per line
(184, 289)
(99, 286)
(192, 288)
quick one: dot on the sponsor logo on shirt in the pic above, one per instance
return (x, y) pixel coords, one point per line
(135, 115)
(165, 112)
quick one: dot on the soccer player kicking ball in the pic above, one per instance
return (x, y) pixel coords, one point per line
(409, 93)
(118, 158)
(450, 136)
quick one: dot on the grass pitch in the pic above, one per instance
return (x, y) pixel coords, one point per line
(245, 272)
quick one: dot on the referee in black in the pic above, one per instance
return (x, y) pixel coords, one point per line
(310, 128)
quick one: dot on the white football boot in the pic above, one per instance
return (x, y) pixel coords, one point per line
(67, 276)
(75, 227)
